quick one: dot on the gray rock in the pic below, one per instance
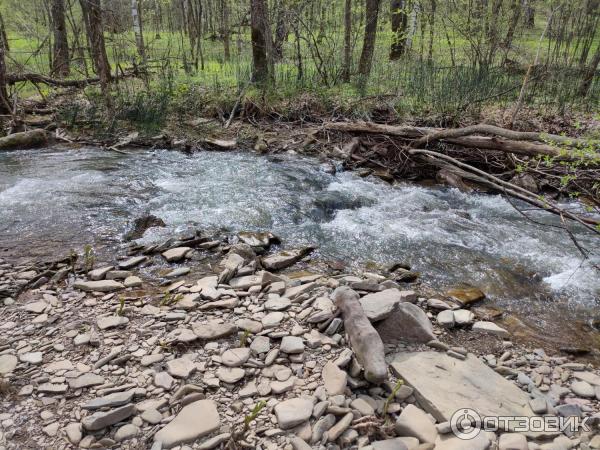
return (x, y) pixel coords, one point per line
(463, 317)
(187, 427)
(445, 319)
(230, 375)
(273, 319)
(285, 258)
(512, 441)
(342, 425)
(132, 282)
(235, 357)
(443, 385)
(126, 432)
(8, 363)
(132, 262)
(179, 272)
(109, 401)
(380, 305)
(152, 416)
(334, 379)
(490, 328)
(290, 413)
(260, 344)
(100, 273)
(389, 444)
(451, 442)
(251, 326)
(85, 380)
(292, 345)
(277, 303)
(180, 367)
(164, 380)
(407, 323)
(104, 323)
(98, 286)
(213, 330)
(176, 254)
(583, 389)
(31, 357)
(74, 432)
(414, 422)
(100, 420)
(52, 388)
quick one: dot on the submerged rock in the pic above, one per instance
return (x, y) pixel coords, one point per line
(141, 224)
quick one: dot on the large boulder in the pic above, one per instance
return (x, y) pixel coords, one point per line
(380, 305)
(407, 323)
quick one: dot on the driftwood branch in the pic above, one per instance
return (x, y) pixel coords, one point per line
(37, 78)
(364, 339)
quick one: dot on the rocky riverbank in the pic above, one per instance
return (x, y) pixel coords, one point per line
(220, 342)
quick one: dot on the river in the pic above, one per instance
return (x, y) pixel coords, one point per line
(53, 200)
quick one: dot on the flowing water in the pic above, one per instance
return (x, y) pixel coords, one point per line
(55, 199)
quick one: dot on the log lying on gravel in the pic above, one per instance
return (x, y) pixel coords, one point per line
(25, 139)
(364, 339)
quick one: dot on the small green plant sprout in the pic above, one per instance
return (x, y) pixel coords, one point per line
(170, 299)
(392, 395)
(244, 338)
(253, 415)
(121, 305)
(89, 257)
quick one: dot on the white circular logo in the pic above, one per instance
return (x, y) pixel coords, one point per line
(466, 424)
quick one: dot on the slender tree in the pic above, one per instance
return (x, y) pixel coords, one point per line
(92, 15)
(226, 32)
(136, 16)
(4, 101)
(347, 41)
(3, 36)
(260, 36)
(590, 71)
(366, 57)
(399, 21)
(60, 52)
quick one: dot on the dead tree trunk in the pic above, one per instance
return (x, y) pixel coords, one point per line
(60, 53)
(137, 30)
(92, 14)
(3, 36)
(589, 73)
(399, 19)
(347, 41)
(281, 30)
(366, 57)
(259, 35)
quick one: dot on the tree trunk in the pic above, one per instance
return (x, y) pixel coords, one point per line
(4, 101)
(60, 53)
(281, 30)
(136, 16)
(92, 14)
(226, 30)
(589, 73)
(529, 14)
(347, 41)
(259, 35)
(3, 36)
(399, 19)
(366, 57)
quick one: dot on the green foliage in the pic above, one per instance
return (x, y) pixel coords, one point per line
(253, 414)
(89, 257)
(392, 395)
(169, 299)
(244, 338)
(121, 306)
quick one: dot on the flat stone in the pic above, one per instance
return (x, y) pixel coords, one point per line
(8, 363)
(583, 389)
(443, 385)
(295, 291)
(152, 416)
(126, 432)
(98, 286)
(588, 377)
(31, 357)
(512, 441)
(260, 344)
(132, 282)
(180, 367)
(52, 388)
(342, 425)
(35, 307)
(463, 317)
(292, 345)
(466, 296)
(285, 258)
(194, 421)
(104, 323)
(251, 326)
(277, 303)
(81, 339)
(132, 262)
(63, 364)
(273, 319)
(109, 401)
(435, 303)
(279, 387)
(334, 378)
(100, 273)
(490, 328)
(164, 380)
(415, 422)
(179, 272)
(380, 305)
(176, 254)
(246, 282)
(85, 380)
(451, 442)
(230, 375)
(235, 357)
(213, 330)
(362, 406)
(290, 413)
(391, 444)
(445, 319)
(74, 432)
(103, 419)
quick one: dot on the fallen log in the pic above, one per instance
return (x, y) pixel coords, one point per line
(507, 141)
(23, 140)
(364, 339)
(37, 78)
